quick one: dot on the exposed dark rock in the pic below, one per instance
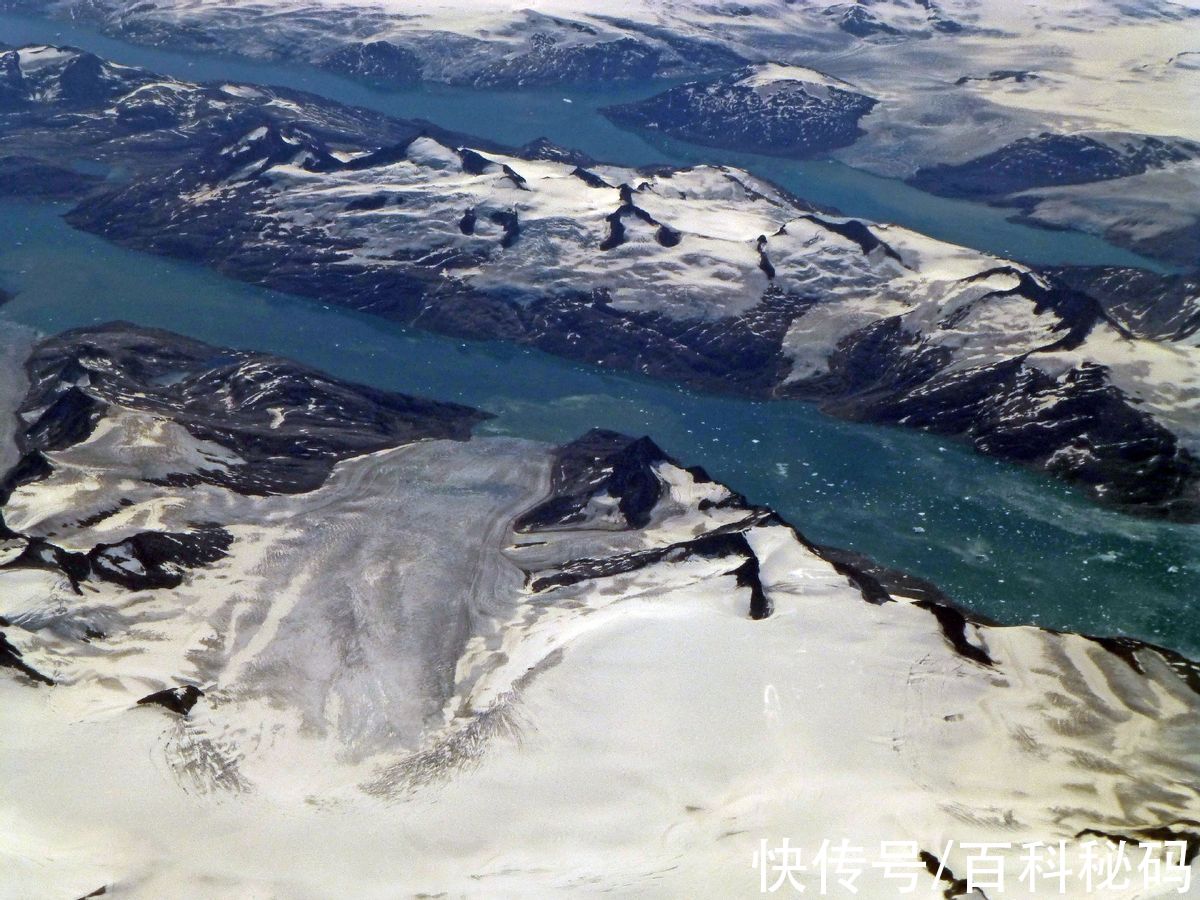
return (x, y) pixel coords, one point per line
(1149, 305)
(591, 179)
(1051, 160)
(544, 148)
(149, 560)
(155, 560)
(792, 118)
(1020, 76)
(226, 397)
(600, 462)
(31, 467)
(885, 581)
(859, 22)
(731, 545)
(83, 83)
(10, 657)
(178, 700)
(764, 261)
(957, 887)
(747, 575)
(369, 203)
(668, 236)
(507, 219)
(378, 62)
(856, 231)
(548, 63)
(13, 93)
(474, 163)
(41, 554)
(938, 20)
(954, 627)
(67, 420)
(1128, 649)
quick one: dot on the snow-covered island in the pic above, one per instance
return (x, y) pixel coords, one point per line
(276, 634)
(787, 110)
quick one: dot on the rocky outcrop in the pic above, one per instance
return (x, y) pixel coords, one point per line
(771, 109)
(380, 62)
(547, 63)
(286, 426)
(1053, 160)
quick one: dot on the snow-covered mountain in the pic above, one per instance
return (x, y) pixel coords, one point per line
(705, 275)
(768, 109)
(955, 81)
(400, 652)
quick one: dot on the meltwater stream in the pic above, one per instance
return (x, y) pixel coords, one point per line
(1006, 542)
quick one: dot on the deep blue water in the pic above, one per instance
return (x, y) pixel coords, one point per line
(1009, 543)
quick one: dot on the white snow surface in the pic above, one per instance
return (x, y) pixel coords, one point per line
(392, 708)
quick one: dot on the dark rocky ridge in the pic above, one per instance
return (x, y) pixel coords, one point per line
(178, 700)
(1019, 76)
(224, 396)
(1145, 304)
(1051, 160)
(10, 658)
(789, 118)
(599, 462)
(378, 62)
(151, 560)
(858, 21)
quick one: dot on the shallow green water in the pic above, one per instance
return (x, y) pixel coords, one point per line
(1008, 543)
(569, 117)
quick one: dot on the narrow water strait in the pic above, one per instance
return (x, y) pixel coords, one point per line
(1006, 542)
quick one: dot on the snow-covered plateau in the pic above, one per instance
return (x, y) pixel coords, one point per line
(707, 276)
(954, 81)
(270, 634)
